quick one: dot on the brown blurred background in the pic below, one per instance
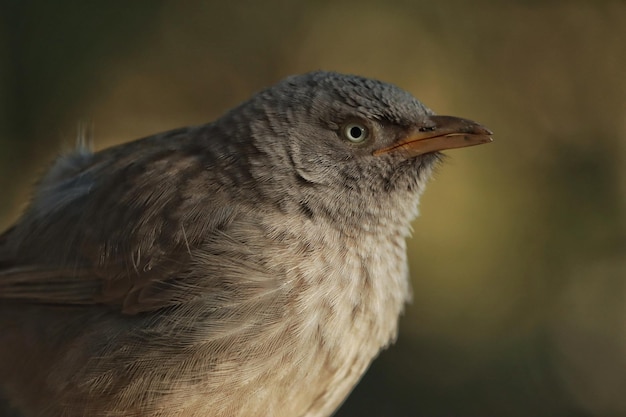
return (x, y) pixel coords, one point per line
(519, 258)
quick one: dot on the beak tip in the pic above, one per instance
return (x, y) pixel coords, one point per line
(484, 133)
(482, 130)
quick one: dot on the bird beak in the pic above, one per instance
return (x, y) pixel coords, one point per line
(441, 133)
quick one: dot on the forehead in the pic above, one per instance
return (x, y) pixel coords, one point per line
(329, 91)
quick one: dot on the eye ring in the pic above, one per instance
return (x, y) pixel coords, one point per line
(355, 132)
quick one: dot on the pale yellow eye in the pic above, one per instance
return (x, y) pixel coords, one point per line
(355, 132)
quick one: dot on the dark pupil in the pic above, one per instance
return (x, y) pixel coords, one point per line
(356, 132)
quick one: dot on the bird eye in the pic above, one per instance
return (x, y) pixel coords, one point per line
(355, 132)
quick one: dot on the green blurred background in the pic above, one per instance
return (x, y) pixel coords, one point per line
(518, 260)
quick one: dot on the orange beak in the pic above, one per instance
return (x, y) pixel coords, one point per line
(444, 132)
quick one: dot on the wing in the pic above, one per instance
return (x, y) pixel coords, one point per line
(122, 227)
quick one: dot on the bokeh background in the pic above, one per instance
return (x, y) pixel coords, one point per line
(519, 258)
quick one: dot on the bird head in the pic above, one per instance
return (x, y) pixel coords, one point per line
(347, 146)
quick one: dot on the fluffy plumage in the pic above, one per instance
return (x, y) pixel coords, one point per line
(253, 266)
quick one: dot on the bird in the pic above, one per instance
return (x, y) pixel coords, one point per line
(251, 266)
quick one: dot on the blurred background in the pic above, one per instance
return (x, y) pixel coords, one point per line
(518, 260)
